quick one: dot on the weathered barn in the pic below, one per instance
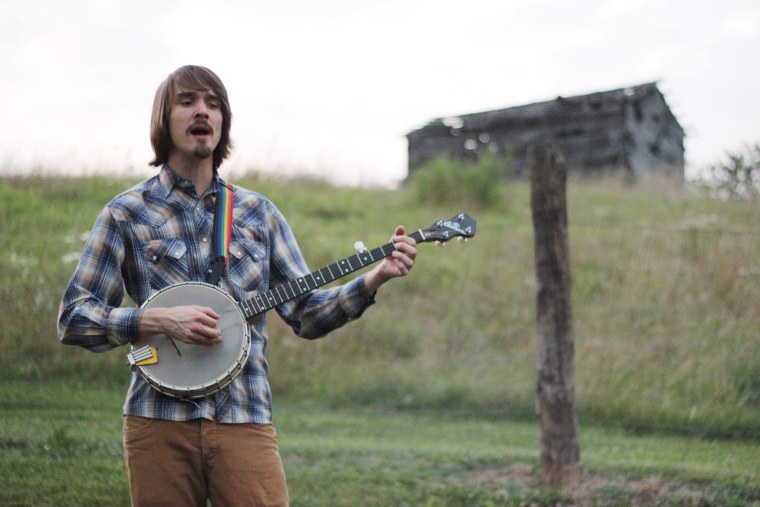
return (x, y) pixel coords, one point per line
(629, 129)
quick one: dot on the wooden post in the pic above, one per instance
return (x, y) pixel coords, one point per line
(555, 373)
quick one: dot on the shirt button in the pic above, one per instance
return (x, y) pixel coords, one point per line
(155, 258)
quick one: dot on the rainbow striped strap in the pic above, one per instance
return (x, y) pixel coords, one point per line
(225, 202)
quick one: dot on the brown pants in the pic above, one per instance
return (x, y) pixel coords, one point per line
(185, 463)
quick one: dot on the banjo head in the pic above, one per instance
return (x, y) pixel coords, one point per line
(195, 371)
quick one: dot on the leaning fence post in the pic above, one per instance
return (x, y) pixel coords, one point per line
(555, 373)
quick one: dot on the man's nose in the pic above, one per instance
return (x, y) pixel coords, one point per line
(202, 111)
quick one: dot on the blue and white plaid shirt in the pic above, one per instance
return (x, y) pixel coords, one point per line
(159, 233)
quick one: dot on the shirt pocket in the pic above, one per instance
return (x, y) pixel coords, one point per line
(247, 264)
(167, 262)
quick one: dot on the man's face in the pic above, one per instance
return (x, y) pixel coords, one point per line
(195, 123)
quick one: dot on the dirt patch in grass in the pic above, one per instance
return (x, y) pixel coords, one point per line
(597, 489)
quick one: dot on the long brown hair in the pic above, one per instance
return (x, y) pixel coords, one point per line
(192, 77)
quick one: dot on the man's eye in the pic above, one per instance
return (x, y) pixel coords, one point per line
(213, 105)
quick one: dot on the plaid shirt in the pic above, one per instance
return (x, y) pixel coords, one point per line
(159, 233)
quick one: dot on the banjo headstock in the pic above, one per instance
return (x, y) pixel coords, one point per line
(461, 226)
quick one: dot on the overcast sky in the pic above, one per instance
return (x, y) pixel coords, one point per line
(331, 87)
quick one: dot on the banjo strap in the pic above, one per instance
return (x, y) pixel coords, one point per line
(225, 201)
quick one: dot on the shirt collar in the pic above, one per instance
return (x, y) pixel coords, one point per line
(168, 179)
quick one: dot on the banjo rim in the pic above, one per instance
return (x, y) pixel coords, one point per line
(225, 375)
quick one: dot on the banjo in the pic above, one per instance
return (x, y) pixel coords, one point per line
(187, 371)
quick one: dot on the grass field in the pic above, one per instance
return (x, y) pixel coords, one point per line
(60, 445)
(428, 399)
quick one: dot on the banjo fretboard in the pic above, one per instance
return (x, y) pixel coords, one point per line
(292, 289)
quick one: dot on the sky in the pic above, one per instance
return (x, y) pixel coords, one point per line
(330, 87)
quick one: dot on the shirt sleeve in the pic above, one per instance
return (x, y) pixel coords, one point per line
(90, 315)
(315, 314)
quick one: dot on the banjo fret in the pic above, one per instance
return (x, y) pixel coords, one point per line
(245, 307)
(262, 303)
(295, 290)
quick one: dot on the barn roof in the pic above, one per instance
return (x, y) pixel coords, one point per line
(561, 106)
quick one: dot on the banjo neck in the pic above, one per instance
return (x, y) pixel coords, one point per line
(256, 306)
(460, 225)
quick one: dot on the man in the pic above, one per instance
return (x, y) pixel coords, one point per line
(221, 447)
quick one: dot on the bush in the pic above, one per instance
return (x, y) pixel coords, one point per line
(738, 177)
(445, 179)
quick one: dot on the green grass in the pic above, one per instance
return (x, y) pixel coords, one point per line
(666, 308)
(60, 444)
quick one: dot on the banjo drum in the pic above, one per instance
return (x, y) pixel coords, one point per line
(189, 371)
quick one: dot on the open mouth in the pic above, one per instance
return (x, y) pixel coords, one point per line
(200, 129)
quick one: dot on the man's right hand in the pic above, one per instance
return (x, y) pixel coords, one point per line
(194, 325)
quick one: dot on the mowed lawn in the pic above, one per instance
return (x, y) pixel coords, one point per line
(60, 444)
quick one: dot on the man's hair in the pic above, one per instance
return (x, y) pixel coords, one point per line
(190, 77)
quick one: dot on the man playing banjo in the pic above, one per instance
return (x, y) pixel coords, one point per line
(165, 232)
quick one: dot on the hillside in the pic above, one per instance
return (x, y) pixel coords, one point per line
(666, 303)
